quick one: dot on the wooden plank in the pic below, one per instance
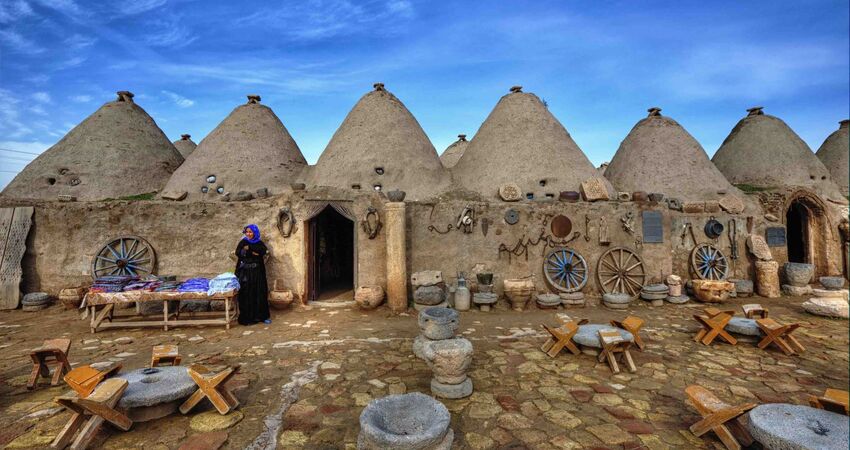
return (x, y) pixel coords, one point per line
(5, 223)
(13, 253)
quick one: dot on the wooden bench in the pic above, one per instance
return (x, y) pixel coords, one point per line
(833, 400)
(561, 337)
(612, 344)
(780, 335)
(84, 379)
(165, 354)
(754, 309)
(88, 414)
(211, 385)
(52, 352)
(633, 325)
(713, 323)
(720, 417)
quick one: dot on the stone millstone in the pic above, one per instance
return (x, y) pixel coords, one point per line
(740, 325)
(796, 291)
(572, 298)
(588, 335)
(677, 300)
(653, 295)
(149, 387)
(451, 391)
(794, 427)
(31, 308)
(827, 307)
(406, 421)
(823, 293)
(35, 299)
(549, 299)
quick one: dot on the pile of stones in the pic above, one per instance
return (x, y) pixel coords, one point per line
(767, 270)
(655, 293)
(35, 301)
(429, 289)
(798, 276)
(548, 301)
(674, 290)
(616, 300)
(448, 356)
(830, 301)
(572, 299)
(412, 421)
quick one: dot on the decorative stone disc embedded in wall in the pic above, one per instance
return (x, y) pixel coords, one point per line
(511, 216)
(561, 226)
(510, 192)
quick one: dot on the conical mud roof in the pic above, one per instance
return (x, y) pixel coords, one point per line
(658, 155)
(453, 152)
(185, 145)
(250, 149)
(116, 152)
(835, 155)
(381, 144)
(522, 142)
(763, 151)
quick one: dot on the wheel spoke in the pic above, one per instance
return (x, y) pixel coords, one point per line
(609, 280)
(141, 252)
(112, 250)
(633, 266)
(608, 265)
(106, 259)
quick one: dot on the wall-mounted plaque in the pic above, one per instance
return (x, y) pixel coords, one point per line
(653, 229)
(775, 237)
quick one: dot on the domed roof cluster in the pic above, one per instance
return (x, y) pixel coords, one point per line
(119, 151)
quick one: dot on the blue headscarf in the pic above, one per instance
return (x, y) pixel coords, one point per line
(256, 231)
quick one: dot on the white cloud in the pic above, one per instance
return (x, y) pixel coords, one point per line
(70, 63)
(41, 97)
(38, 110)
(178, 99)
(10, 124)
(13, 10)
(81, 98)
(138, 6)
(78, 41)
(170, 32)
(17, 43)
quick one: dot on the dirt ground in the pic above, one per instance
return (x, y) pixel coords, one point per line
(305, 378)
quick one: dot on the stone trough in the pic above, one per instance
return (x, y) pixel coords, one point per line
(405, 422)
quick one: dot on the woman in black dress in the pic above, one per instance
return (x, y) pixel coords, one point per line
(251, 271)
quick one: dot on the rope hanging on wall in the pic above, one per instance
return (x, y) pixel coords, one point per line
(371, 223)
(285, 221)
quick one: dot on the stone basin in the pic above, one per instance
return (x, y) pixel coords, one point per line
(832, 283)
(799, 274)
(406, 421)
(588, 335)
(438, 322)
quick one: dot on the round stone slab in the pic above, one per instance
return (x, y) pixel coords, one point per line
(588, 335)
(741, 325)
(148, 387)
(796, 427)
(678, 299)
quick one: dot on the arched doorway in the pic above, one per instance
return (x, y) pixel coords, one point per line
(330, 256)
(806, 230)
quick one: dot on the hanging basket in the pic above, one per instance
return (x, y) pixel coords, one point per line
(280, 298)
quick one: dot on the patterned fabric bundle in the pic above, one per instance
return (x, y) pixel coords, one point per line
(111, 283)
(168, 286)
(223, 283)
(195, 285)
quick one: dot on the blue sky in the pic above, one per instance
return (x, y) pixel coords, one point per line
(598, 65)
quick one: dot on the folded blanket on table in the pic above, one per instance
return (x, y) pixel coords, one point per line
(223, 283)
(195, 285)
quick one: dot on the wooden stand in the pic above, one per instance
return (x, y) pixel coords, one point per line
(107, 317)
(719, 417)
(561, 337)
(833, 400)
(84, 379)
(780, 335)
(165, 355)
(52, 352)
(633, 325)
(613, 343)
(754, 309)
(211, 386)
(713, 324)
(92, 411)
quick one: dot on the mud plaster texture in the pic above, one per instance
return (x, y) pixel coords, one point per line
(835, 156)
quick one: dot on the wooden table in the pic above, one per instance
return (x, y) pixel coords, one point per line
(108, 317)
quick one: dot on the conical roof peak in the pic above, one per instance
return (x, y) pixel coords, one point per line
(381, 146)
(454, 151)
(185, 145)
(835, 155)
(250, 149)
(762, 150)
(522, 142)
(659, 155)
(117, 151)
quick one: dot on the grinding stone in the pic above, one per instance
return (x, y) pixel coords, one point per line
(781, 426)
(165, 385)
(412, 420)
(452, 391)
(678, 300)
(588, 335)
(740, 325)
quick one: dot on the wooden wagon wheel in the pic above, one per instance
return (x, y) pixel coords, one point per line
(565, 269)
(709, 263)
(124, 256)
(620, 270)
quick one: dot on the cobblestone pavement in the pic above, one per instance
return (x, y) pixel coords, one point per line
(305, 378)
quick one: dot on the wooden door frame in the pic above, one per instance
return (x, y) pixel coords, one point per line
(309, 257)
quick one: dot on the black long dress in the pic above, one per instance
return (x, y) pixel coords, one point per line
(253, 288)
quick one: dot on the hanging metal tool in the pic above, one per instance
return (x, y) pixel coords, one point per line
(733, 239)
(587, 228)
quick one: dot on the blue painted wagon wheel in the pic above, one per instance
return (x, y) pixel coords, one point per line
(620, 270)
(709, 263)
(565, 269)
(124, 256)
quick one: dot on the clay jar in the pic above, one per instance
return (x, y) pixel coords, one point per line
(369, 297)
(449, 359)
(437, 322)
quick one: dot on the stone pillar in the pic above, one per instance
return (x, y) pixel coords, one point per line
(767, 278)
(396, 229)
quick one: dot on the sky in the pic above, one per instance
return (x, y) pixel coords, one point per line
(598, 65)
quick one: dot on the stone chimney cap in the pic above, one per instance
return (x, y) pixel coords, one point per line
(654, 111)
(461, 137)
(185, 137)
(755, 111)
(844, 123)
(515, 89)
(253, 98)
(125, 96)
(379, 86)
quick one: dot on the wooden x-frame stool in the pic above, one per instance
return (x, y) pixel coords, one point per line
(165, 355)
(720, 417)
(211, 385)
(633, 325)
(52, 352)
(561, 337)
(89, 413)
(754, 309)
(84, 379)
(713, 324)
(833, 400)
(780, 335)
(613, 343)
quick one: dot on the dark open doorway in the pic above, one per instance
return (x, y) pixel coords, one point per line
(797, 230)
(330, 256)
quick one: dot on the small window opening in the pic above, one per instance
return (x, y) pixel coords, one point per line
(75, 181)
(63, 171)
(549, 195)
(211, 179)
(377, 187)
(51, 181)
(542, 182)
(205, 189)
(530, 196)
(379, 170)
(355, 186)
(220, 189)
